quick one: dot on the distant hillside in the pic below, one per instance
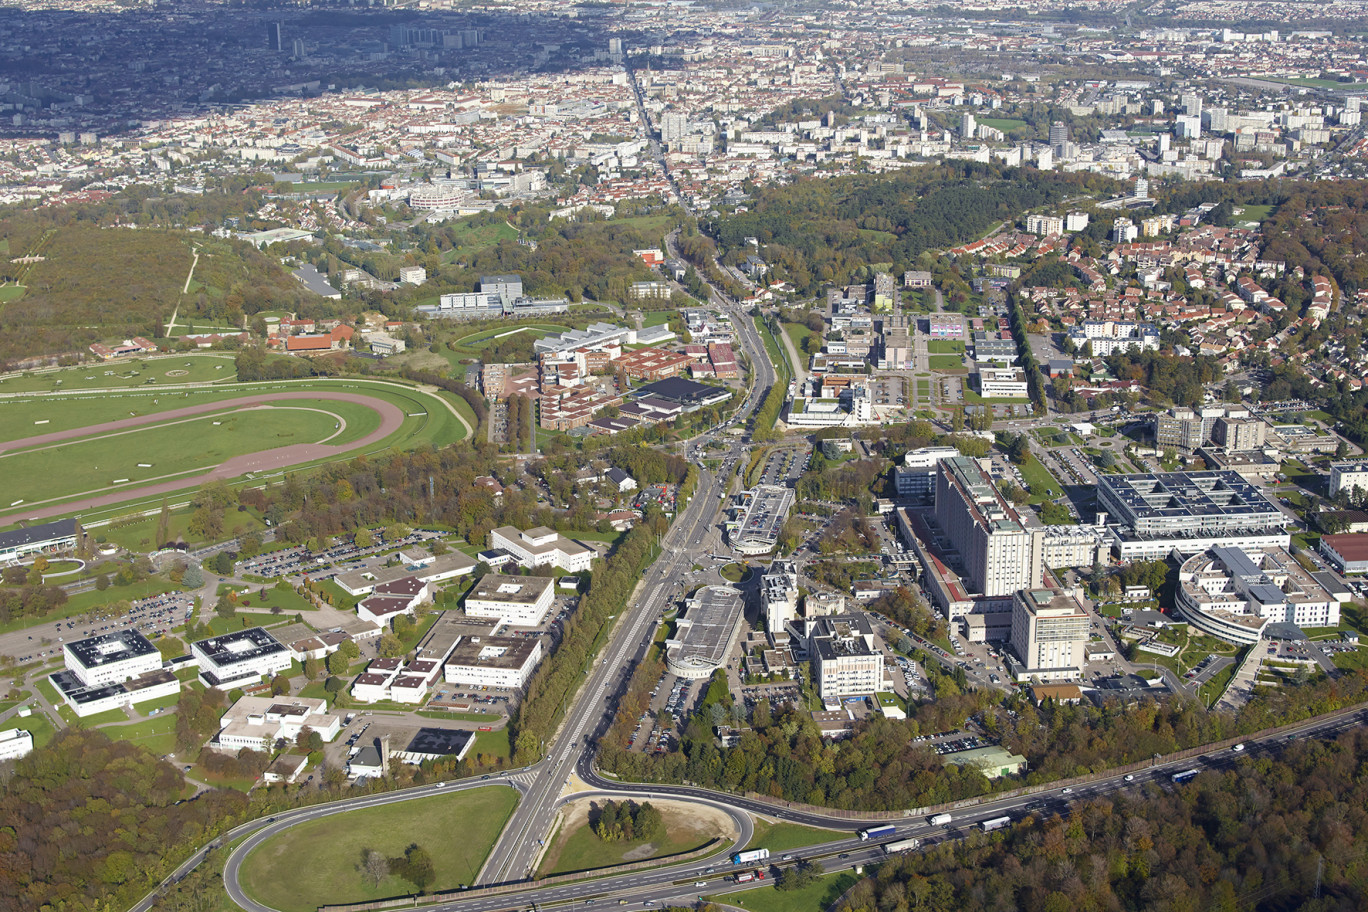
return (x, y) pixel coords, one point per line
(97, 283)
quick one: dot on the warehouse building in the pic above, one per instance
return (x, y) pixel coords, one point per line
(1347, 552)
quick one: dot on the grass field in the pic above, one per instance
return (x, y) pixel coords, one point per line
(1040, 481)
(37, 725)
(155, 453)
(945, 346)
(778, 357)
(470, 238)
(945, 362)
(204, 367)
(1254, 213)
(426, 422)
(1005, 124)
(578, 849)
(797, 332)
(11, 293)
(478, 340)
(157, 734)
(491, 748)
(815, 898)
(781, 837)
(316, 863)
(138, 535)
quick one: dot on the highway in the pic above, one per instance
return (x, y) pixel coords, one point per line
(713, 874)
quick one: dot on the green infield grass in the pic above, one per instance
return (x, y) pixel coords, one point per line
(319, 862)
(945, 362)
(577, 848)
(154, 453)
(945, 346)
(203, 367)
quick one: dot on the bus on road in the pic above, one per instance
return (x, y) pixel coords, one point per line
(1185, 776)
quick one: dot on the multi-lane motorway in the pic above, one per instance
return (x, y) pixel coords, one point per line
(714, 874)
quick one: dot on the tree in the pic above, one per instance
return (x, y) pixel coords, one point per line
(363, 538)
(374, 866)
(223, 563)
(280, 685)
(194, 577)
(390, 647)
(337, 663)
(312, 668)
(415, 866)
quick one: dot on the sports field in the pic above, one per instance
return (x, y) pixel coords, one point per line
(94, 450)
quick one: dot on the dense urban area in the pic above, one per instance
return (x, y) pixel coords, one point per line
(807, 456)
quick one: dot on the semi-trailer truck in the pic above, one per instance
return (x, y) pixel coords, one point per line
(750, 857)
(940, 819)
(996, 823)
(878, 832)
(902, 845)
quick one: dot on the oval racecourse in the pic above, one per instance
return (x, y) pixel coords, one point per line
(162, 446)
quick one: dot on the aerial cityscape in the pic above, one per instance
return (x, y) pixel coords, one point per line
(803, 456)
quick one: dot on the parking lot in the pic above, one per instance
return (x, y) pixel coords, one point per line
(152, 616)
(339, 558)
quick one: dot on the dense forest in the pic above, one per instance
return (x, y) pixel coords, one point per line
(882, 767)
(1273, 833)
(823, 231)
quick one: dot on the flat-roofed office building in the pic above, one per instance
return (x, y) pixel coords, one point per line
(1049, 633)
(1155, 514)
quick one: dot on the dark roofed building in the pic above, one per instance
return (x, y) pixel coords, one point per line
(53, 536)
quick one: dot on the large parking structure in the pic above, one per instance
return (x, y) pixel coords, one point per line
(758, 532)
(166, 445)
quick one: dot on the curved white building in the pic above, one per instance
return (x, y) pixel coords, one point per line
(1234, 595)
(758, 530)
(706, 633)
(433, 196)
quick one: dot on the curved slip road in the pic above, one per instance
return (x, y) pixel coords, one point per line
(391, 417)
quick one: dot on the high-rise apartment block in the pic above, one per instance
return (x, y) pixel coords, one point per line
(999, 554)
(1049, 634)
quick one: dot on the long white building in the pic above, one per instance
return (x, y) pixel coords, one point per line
(240, 658)
(540, 547)
(495, 661)
(1108, 336)
(522, 601)
(1156, 514)
(916, 477)
(111, 658)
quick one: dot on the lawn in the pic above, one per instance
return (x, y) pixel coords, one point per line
(202, 367)
(315, 863)
(945, 362)
(491, 748)
(37, 725)
(157, 734)
(12, 293)
(469, 238)
(945, 347)
(814, 898)
(1254, 214)
(1005, 124)
(1042, 484)
(735, 572)
(797, 332)
(478, 340)
(781, 837)
(777, 356)
(219, 626)
(138, 535)
(287, 600)
(578, 849)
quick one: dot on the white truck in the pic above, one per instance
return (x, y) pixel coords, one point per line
(940, 819)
